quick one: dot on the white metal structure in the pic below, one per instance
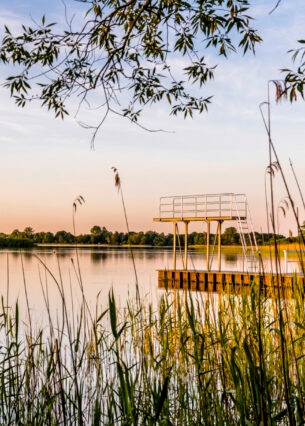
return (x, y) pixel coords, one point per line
(219, 206)
(209, 208)
(247, 236)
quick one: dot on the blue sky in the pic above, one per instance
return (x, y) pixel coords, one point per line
(46, 162)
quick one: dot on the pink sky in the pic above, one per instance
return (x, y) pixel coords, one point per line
(46, 163)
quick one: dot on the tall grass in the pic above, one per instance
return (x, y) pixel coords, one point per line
(191, 359)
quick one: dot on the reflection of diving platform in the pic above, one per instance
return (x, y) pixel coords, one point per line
(210, 208)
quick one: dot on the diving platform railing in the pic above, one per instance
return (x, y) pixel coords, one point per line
(225, 206)
(210, 208)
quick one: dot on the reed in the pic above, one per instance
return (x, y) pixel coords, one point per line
(194, 358)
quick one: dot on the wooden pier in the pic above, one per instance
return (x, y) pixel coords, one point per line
(219, 281)
(217, 208)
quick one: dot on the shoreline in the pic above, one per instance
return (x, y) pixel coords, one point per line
(283, 246)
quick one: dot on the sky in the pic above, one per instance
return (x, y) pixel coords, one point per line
(46, 162)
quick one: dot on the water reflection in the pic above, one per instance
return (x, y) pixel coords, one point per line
(64, 254)
(15, 254)
(27, 255)
(231, 258)
(101, 269)
(98, 257)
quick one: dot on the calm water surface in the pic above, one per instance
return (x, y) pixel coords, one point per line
(39, 272)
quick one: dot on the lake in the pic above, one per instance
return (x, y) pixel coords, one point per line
(38, 274)
(72, 363)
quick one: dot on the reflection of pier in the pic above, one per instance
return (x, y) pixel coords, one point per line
(216, 208)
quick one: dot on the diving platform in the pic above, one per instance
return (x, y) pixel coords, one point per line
(220, 208)
(208, 208)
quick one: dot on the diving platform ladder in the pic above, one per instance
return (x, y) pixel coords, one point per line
(247, 237)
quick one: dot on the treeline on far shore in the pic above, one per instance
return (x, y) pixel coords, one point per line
(100, 235)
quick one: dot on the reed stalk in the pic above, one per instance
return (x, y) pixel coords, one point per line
(192, 359)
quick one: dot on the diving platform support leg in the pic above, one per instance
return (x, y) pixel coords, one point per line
(219, 245)
(175, 246)
(208, 247)
(186, 223)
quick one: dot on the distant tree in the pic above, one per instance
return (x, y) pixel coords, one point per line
(96, 230)
(113, 238)
(191, 238)
(149, 237)
(109, 237)
(200, 238)
(118, 237)
(15, 233)
(169, 240)
(83, 239)
(28, 232)
(136, 238)
(105, 236)
(269, 238)
(196, 238)
(230, 236)
(142, 240)
(63, 237)
(43, 237)
(48, 237)
(100, 235)
(96, 234)
(160, 240)
(125, 237)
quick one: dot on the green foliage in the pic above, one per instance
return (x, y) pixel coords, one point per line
(295, 78)
(230, 236)
(100, 235)
(64, 237)
(179, 361)
(129, 47)
(28, 232)
(20, 242)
